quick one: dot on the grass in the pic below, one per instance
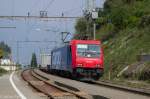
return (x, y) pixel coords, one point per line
(124, 28)
(123, 45)
(2, 71)
(123, 49)
(132, 83)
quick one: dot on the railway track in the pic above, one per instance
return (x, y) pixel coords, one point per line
(123, 88)
(141, 91)
(54, 90)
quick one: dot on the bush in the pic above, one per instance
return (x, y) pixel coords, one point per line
(119, 17)
(106, 32)
(133, 21)
(145, 73)
(2, 71)
(145, 21)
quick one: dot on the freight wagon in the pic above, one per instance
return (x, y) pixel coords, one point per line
(82, 59)
(45, 60)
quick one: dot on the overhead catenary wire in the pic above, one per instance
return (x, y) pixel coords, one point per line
(48, 5)
(73, 10)
(34, 6)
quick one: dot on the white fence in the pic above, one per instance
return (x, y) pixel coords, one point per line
(9, 68)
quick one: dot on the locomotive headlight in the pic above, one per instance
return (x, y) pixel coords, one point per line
(79, 65)
(97, 65)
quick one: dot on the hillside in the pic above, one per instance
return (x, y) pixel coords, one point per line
(125, 31)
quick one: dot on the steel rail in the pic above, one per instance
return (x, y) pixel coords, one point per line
(78, 93)
(40, 80)
(141, 91)
(48, 89)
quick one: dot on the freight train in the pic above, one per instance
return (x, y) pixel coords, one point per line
(81, 59)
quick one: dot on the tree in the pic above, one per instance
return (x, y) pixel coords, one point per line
(5, 50)
(1, 53)
(81, 29)
(33, 60)
(5, 47)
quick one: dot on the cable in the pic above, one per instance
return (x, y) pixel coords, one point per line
(76, 9)
(34, 6)
(48, 5)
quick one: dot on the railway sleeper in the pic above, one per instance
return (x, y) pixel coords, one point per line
(79, 94)
(63, 95)
(38, 76)
(48, 89)
(38, 85)
(62, 87)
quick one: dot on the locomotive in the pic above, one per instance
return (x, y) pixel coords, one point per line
(82, 59)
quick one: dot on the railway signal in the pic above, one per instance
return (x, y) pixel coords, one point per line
(91, 14)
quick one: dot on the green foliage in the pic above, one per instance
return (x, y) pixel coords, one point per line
(133, 21)
(145, 21)
(33, 61)
(101, 20)
(1, 53)
(81, 25)
(124, 48)
(80, 28)
(2, 71)
(125, 32)
(5, 49)
(123, 14)
(145, 73)
(119, 18)
(105, 32)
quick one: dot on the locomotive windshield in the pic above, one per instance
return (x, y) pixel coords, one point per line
(88, 50)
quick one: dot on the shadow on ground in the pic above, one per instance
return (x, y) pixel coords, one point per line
(99, 97)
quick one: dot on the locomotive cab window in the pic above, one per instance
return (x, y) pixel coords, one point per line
(88, 50)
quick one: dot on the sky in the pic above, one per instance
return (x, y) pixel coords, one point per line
(36, 29)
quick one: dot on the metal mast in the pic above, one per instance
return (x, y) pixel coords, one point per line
(90, 5)
(91, 14)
